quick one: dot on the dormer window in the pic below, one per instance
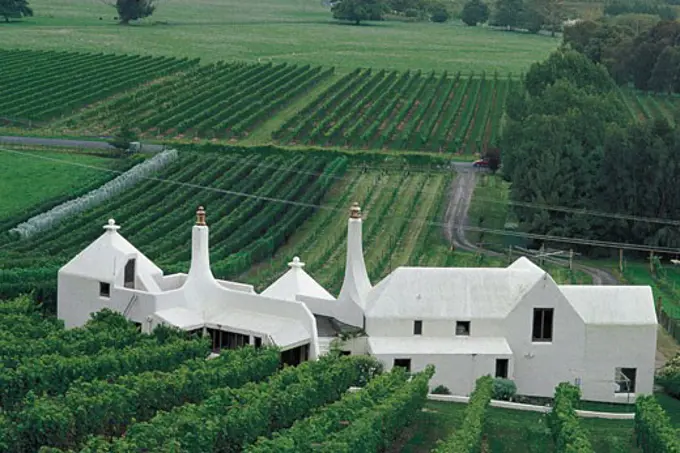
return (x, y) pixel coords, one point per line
(463, 328)
(104, 289)
(417, 327)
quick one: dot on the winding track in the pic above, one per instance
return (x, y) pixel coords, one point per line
(456, 218)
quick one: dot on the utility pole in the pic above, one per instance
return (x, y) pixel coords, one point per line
(571, 259)
(541, 251)
(509, 254)
(621, 260)
(651, 262)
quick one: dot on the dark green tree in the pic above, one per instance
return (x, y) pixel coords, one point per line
(14, 9)
(666, 73)
(124, 136)
(129, 10)
(508, 13)
(475, 12)
(358, 10)
(439, 13)
(550, 13)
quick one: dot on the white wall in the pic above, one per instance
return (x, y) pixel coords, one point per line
(611, 347)
(391, 327)
(539, 367)
(457, 372)
(77, 298)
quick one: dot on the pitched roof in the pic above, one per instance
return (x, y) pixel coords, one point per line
(612, 305)
(287, 333)
(439, 345)
(450, 293)
(106, 256)
(296, 281)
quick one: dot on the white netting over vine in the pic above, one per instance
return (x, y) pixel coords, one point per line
(48, 219)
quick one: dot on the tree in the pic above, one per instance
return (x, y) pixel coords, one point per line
(358, 10)
(132, 9)
(493, 156)
(475, 12)
(439, 13)
(548, 12)
(14, 9)
(125, 135)
(508, 13)
(665, 75)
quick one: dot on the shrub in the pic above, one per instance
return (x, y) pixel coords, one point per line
(369, 367)
(439, 15)
(475, 12)
(441, 390)
(504, 389)
(411, 12)
(669, 377)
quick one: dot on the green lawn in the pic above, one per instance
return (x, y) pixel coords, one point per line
(300, 31)
(27, 181)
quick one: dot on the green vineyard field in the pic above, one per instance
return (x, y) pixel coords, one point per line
(223, 100)
(245, 228)
(410, 110)
(39, 86)
(649, 106)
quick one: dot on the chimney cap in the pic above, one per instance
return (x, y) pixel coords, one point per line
(296, 263)
(111, 226)
(200, 216)
(355, 211)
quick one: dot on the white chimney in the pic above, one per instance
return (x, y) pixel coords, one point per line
(200, 253)
(356, 285)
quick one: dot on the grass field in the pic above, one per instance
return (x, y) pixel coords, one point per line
(28, 181)
(298, 31)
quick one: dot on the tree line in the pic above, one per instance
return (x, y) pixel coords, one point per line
(569, 143)
(531, 15)
(643, 53)
(128, 10)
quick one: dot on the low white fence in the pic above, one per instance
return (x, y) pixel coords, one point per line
(526, 407)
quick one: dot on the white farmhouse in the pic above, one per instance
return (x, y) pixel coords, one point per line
(513, 322)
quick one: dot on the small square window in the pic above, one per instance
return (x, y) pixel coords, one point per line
(625, 380)
(403, 363)
(417, 327)
(258, 342)
(502, 368)
(463, 328)
(104, 289)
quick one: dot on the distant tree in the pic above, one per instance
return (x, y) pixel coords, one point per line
(439, 14)
(132, 9)
(14, 9)
(666, 73)
(358, 10)
(508, 13)
(548, 12)
(125, 135)
(475, 12)
(493, 156)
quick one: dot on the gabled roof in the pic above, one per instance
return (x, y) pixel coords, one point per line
(107, 256)
(612, 305)
(450, 293)
(296, 282)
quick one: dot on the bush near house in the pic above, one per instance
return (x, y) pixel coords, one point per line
(504, 389)
(653, 429)
(669, 377)
(567, 433)
(469, 437)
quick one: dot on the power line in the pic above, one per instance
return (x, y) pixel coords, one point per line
(544, 237)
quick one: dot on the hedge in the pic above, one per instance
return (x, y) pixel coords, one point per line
(653, 429)
(563, 421)
(468, 439)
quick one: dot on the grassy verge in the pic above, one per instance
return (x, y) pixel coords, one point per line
(26, 181)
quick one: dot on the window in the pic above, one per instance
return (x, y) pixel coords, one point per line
(138, 326)
(403, 363)
(129, 274)
(543, 324)
(104, 289)
(502, 368)
(463, 328)
(417, 327)
(257, 341)
(345, 352)
(625, 380)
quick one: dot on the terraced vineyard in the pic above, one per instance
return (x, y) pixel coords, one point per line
(245, 227)
(115, 390)
(643, 106)
(222, 100)
(39, 86)
(410, 110)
